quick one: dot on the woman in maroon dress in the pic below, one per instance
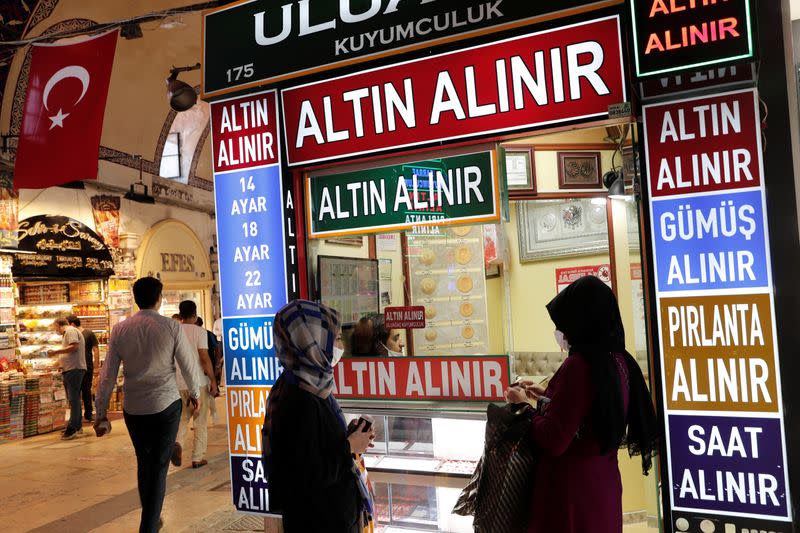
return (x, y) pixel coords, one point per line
(596, 402)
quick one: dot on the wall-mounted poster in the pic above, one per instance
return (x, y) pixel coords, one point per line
(349, 285)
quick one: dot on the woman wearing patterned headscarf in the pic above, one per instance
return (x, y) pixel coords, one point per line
(596, 402)
(313, 480)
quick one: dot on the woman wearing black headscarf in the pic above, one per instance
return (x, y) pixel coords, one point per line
(596, 402)
(308, 455)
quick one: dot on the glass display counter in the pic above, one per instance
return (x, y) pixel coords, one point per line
(423, 457)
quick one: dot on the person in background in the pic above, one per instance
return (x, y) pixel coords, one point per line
(177, 318)
(72, 359)
(213, 354)
(594, 403)
(216, 329)
(148, 346)
(91, 350)
(208, 390)
(308, 456)
(370, 337)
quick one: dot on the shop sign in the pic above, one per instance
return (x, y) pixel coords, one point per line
(406, 317)
(565, 276)
(718, 79)
(714, 295)
(241, 41)
(423, 378)
(563, 74)
(255, 274)
(60, 247)
(451, 190)
(672, 35)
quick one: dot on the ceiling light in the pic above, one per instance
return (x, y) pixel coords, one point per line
(131, 30)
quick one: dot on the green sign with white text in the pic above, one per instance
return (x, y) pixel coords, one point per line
(452, 190)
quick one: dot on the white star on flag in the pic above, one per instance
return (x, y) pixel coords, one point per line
(58, 119)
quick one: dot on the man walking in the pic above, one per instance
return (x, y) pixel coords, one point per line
(148, 346)
(198, 339)
(73, 368)
(91, 349)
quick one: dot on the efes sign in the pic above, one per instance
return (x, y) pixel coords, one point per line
(243, 40)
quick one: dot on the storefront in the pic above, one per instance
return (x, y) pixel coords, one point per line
(171, 252)
(476, 181)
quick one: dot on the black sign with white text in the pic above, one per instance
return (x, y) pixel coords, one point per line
(673, 35)
(256, 42)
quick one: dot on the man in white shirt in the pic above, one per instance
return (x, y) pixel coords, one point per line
(198, 339)
(148, 345)
(72, 358)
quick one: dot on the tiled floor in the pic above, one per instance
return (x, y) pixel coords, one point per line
(89, 485)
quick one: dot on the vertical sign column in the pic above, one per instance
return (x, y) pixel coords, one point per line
(253, 266)
(720, 375)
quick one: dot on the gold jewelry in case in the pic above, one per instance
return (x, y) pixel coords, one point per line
(463, 255)
(430, 335)
(464, 284)
(428, 257)
(430, 312)
(428, 285)
(462, 231)
(468, 332)
(466, 309)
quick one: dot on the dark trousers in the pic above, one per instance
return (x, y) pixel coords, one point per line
(153, 437)
(72, 385)
(86, 392)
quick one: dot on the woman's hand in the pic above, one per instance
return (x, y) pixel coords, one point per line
(360, 440)
(532, 389)
(516, 395)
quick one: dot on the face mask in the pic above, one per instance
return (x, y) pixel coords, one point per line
(337, 355)
(561, 340)
(392, 353)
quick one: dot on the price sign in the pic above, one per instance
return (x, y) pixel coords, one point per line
(719, 357)
(254, 239)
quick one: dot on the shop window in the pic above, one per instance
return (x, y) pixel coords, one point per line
(171, 157)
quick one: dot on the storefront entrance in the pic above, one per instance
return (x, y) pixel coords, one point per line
(484, 288)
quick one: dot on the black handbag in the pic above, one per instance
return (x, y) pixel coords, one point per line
(499, 493)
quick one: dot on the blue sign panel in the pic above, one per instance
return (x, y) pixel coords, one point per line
(250, 236)
(250, 352)
(731, 464)
(710, 242)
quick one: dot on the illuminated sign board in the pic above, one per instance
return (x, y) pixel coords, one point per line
(714, 296)
(257, 274)
(423, 378)
(457, 189)
(563, 74)
(242, 40)
(672, 35)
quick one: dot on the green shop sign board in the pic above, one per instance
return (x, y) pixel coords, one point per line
(452, 190)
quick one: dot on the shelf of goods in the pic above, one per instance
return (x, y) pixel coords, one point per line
(30, 404)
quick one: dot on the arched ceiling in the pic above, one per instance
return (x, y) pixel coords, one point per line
(137, 107)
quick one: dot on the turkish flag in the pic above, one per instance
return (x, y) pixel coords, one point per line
(63, 116)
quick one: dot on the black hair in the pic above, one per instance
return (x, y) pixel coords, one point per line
(74, 321)
(199, 322)
(369, 336)
(187, 309)
(61, 322)
(146, 292)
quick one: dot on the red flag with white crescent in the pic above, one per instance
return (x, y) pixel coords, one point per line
(63, 115)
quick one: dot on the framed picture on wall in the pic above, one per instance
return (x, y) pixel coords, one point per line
(579, 170)
(561, 228)
(520, 170)
(346, 241)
